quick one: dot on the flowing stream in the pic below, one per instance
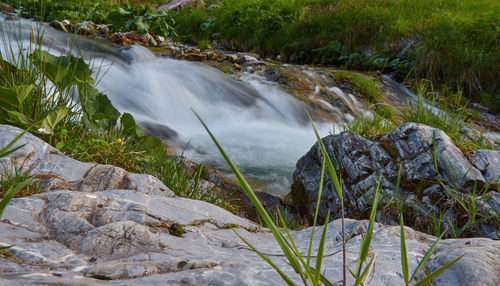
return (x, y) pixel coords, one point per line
(264, 129)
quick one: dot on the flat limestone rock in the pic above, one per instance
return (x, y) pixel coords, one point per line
(142, 236)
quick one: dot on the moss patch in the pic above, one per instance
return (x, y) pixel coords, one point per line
(389, 147)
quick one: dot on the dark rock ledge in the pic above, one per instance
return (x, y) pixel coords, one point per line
(418, 149)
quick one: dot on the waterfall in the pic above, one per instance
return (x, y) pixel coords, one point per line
(263, 128)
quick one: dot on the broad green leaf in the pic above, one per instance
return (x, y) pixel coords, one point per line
(13, 97)
(140, 26)
(431, 276)
(129, 127)
(97, 108)
(150, 143)
(49, 123)
(63, 71)
(404, 257)
(17, 118)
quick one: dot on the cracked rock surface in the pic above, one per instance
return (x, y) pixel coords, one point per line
(100, 225)
(430, 165)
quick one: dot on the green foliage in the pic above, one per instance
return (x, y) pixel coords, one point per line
(446, 112)
(63, 71)
(97, 108)
(193, 25)
(122, 18)
(470, 208)
(362, 83)
(10, 190)
(453, 42)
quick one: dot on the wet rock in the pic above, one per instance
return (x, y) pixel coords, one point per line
(6, 8)
(159, 39)
(133, 38)
(418, 149)
(120, 39)
(151, 41)
(195, 57)
(488, 162)
(103, 30)
(86, 28)
(93, 235)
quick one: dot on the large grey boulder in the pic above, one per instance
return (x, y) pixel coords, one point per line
(61, 172)
(427, 158)
(97, 233)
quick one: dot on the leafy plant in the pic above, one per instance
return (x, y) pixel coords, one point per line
(12, 189)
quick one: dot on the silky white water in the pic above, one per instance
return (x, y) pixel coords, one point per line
(264, 129)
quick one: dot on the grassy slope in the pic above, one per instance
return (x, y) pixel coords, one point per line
(458, 41)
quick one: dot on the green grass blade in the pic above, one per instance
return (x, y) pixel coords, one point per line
(426, 257)
(321, 250)
(11, 192)
(294, 248)
(431, 276)
(329, 164)
(320, 190)
(404, 257)
(255, 201)
(5, 150)
(365, 244)
(361, 278)
(287, 279)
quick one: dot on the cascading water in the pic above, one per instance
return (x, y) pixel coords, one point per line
(263, 129)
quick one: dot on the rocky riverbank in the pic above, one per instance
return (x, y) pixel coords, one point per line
(437, 184)
(100, 225)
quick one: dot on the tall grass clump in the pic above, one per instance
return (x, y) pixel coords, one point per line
(445, 110)
(301, 263)
(9, 190)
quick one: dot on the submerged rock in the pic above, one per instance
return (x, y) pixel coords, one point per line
(431, 167)
(105, 226)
